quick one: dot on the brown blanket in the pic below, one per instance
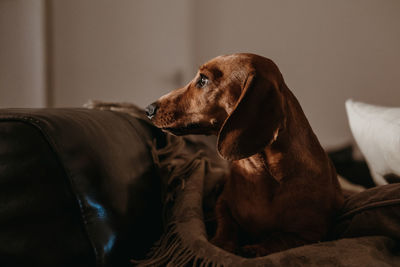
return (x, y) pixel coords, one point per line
(367, 232)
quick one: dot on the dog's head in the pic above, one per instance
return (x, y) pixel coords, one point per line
(237, 97)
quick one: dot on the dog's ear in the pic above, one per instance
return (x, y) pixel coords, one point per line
(255, 121)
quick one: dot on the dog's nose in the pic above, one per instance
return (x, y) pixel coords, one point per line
(151, 110)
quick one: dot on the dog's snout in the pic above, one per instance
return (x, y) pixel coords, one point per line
(151, 110)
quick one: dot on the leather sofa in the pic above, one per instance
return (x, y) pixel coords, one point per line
(78, 187)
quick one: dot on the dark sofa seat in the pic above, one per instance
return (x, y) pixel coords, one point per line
(78, 187)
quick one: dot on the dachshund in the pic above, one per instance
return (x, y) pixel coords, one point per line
(282, 189)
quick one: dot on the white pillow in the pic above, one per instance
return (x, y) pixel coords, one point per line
(377, 132)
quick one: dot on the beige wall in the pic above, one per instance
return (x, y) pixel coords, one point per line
(136, 51)
(22, 74)
(124, 50)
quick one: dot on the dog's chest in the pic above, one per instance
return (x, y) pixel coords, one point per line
(250, 203)
(255, 219)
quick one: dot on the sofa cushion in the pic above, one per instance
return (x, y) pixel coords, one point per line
(377, 132)
(374, 212)
(78, 188)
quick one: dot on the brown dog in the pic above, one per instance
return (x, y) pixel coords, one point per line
(282, 190)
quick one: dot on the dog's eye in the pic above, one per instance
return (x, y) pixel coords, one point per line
(202, 81)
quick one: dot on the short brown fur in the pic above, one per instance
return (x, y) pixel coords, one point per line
(282, 190)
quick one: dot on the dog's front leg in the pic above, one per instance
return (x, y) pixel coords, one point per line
(226, 236)
(275, 242)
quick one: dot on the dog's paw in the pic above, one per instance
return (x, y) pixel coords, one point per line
(252, 251)
(225, 245)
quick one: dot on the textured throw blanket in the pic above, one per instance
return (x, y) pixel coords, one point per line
(367, 233)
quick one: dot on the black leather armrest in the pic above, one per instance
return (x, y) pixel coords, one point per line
(77, 188)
